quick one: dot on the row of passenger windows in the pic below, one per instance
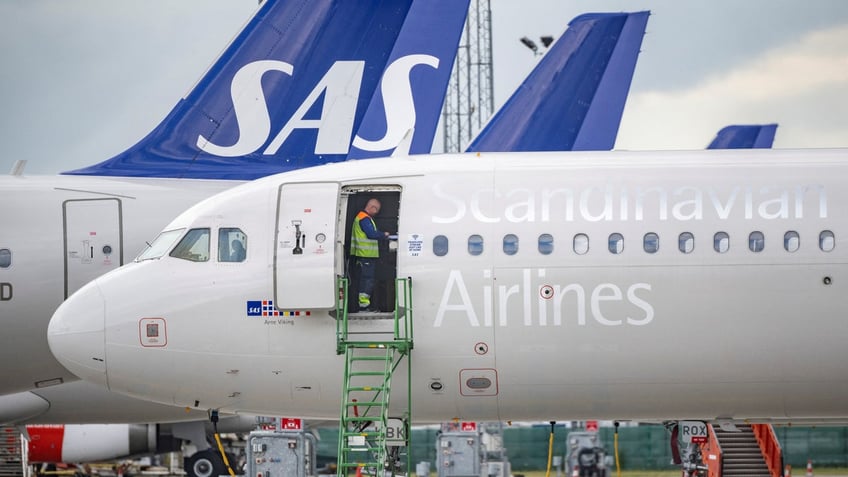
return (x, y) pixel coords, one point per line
(650, 243)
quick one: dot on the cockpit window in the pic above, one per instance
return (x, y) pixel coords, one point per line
(161, 245)
(194, 246)
(232, 245)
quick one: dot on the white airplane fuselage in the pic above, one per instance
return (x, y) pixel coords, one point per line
(535, 273)
(59, 232)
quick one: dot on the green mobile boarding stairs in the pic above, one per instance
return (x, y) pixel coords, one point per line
(373, 352)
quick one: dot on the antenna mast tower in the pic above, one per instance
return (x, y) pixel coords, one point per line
(469, 101)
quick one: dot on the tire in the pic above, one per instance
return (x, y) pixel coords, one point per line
(206, 463)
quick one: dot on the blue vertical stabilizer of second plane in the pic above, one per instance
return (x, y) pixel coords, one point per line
(745, 136)
(574, 98)
(384, 127)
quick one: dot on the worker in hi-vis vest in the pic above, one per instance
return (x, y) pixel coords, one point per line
(364, 247)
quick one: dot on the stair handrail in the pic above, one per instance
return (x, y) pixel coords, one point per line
(403, 305)
(712, 454)
(402, 330)
(770, 447)
(343, 412)
(341, 313)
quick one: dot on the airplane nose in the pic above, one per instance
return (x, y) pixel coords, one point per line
(76, 334)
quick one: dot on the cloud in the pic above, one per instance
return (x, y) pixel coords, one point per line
(791, 85)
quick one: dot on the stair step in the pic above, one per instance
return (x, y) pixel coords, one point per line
(365, 434)
(353, 465)
(364, 403)
(745, 474)
(368, 445)
(742, 456)
(730, 463)
(372, 344)
(360, 418)
(11, 464)
(367, 388)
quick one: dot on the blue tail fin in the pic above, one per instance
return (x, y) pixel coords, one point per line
(755, 136)
(378, 133)
(574, 98)
(290, 91)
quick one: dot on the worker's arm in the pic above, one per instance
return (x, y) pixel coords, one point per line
(371, 230)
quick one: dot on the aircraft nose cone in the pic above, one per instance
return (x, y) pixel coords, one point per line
(76, 334)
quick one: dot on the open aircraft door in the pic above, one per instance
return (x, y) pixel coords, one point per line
(305, 246)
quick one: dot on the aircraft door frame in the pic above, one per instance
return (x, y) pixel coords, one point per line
(353, 199)
(93, 240)
(304, 246)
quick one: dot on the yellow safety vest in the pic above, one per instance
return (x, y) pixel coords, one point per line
(360, 244)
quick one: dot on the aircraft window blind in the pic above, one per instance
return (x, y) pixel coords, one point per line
(546, 244)
(194, 246)
(5, 258)
(756, 241)
(475, 244)
(510, 244)
(440, 245)
(616, 243)
(581, 244)
(651, 242)
(791, 241)
(827, 241)
(686, 242)
(232, 245)
(721, 242)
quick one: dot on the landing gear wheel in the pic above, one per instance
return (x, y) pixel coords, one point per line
(206, 463)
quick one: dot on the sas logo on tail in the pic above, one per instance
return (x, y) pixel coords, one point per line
(339, 88)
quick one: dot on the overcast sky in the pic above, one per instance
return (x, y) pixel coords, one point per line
(82, 80)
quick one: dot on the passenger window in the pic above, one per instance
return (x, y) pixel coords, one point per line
(581, 244)
(651, 242)
(826, 241)
(686, 242)
(510, 244)
(616, 243)
(232, 245)
(546, 244)
(756, 241)
(5, 258)
(475, 245)
(721, 242)
(194, 246)
(791, 241)
(440, 245)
